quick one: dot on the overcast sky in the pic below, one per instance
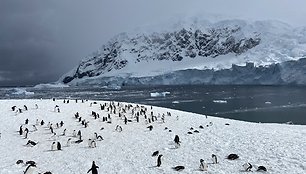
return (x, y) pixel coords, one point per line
(42, 39)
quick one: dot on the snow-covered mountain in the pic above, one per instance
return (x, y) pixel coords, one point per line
(198, 52)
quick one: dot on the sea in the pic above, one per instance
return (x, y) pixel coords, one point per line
(265, 104)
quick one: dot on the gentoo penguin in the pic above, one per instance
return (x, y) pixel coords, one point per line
(203, 165)
(93, 168)
(214, 159)
(59, 146)
(177, 139)
(74, 133)
(53, 146)
(150, 127)
(30, 169)
(159, 160)
(232, 156)
(155, 153)
(93, 144)
(64, 132)
(261, 168)
(35, 128)
(68, 142)
(247, 167)
(32, 143)
(20, 130)
(178, 168)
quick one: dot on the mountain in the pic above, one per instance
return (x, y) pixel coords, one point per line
(198, 52)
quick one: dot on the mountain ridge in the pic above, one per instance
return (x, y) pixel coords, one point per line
(214, 46)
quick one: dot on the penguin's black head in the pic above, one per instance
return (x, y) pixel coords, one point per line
(201, 160)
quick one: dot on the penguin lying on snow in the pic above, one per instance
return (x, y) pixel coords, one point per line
(261, 169)
(232, 156)
(155, 153)
(178, 168)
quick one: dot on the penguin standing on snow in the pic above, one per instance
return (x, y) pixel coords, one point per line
(53, 146)
(93, 168)
(214, 159)
(20, 130)
(159, 160)
(30, 169)
(59, 146)
(68, 142)
(203, 165)
(177, 141)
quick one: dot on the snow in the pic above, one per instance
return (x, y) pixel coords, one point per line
(278, 147)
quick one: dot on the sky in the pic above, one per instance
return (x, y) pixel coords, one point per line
(40, 40)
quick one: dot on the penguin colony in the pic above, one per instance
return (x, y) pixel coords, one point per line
(62, 138)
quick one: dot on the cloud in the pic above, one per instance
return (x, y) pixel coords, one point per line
(41, 40)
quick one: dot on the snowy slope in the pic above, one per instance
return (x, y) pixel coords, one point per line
(280, 148)
(192, 44)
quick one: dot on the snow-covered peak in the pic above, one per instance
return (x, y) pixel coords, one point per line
(196, 43)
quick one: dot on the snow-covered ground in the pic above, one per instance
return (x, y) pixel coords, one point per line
(280, 148)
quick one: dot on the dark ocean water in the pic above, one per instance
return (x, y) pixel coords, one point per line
(269, 104)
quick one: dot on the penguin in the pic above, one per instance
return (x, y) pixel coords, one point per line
(35, 128)
(68, 142)
(42, 122)
(20, 130)
(74, 133)
(177, 139)
(232, 156)
(32, 143)
(89, 142)
(78, 141)
(26, 131)
(155, 153)
(37, 122)
(178, 168)
(261, 169)
(247, 167)
(159, 160)
(59, 146)
(19, 162)
(30, 169)
(214, 159)
(53, 146)
(203, 165)
(150, 127)
(64, 132)
(26, 121)
(93, 144)
(93, 168)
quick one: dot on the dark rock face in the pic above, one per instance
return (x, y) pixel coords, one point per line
(174, 46)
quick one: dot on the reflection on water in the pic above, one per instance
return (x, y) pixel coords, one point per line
(278, 104)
